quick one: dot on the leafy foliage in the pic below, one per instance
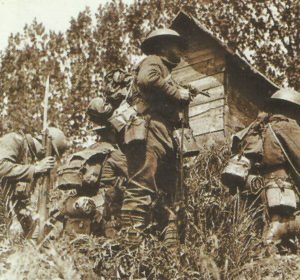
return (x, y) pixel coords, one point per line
(264, 32)
(223, 241)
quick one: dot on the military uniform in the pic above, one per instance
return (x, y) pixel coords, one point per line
(112, 183)
(18, 151)
(98, 174)
(14, 150)
(152, 162)
(272, 146)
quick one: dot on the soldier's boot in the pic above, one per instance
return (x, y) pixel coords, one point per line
(276, 231)
(278, 228)
(171, 237)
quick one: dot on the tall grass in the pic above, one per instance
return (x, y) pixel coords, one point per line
(222, 241)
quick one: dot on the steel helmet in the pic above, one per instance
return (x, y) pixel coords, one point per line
(34, 145)
(59, 140)
(99, 110)
(155, 38)
(287, 95)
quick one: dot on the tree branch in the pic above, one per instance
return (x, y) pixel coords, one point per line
(276, 24)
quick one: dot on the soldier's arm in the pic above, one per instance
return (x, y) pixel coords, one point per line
(150, 78)
(16, 172)
(119, 163)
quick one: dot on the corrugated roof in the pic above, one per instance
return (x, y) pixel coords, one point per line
(182, 15)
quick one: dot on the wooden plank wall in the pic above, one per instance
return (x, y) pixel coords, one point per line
(203, 67)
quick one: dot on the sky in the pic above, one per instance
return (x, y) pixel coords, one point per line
(54, 14)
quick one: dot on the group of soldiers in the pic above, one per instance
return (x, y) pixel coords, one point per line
(128, 179)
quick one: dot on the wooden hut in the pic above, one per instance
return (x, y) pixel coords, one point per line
(237, 91)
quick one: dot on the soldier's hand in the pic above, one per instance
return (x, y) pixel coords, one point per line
(184, 95)
(44, 165)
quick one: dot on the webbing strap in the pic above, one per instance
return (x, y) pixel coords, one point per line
(284, 152)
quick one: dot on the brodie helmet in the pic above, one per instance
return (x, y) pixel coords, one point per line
(59, 140)
(287, 95)
(156, 38)
(99, 111)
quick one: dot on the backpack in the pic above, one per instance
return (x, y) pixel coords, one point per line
(82, 170)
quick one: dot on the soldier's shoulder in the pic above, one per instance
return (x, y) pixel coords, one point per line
(153, 59)
(285, 126)
(102, 146)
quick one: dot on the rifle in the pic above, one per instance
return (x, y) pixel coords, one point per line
(186, 146)
(45, 184)
(194, 91)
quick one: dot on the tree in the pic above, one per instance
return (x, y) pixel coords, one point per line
(25, 65)
(263, 32)
(266, 33)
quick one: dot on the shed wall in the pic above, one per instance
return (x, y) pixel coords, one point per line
(237, 91)
(203, 67)
(246, 94)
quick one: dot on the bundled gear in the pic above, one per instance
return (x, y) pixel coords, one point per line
(117, 86)
(82, 170)
(78, 213)
(266, 162)
(97, 175)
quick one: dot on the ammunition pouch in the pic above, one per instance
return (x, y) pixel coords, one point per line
(236, 171)
(136, 130)
(185, 139)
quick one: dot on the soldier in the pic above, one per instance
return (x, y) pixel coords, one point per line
(150, 150)
(106, 192)
(269, 150)
(18, 152)
(114, 173)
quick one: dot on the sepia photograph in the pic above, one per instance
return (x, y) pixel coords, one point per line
(149, 139)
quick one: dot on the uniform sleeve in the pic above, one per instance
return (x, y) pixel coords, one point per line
(119, 163)
(16, 172)
(150, 78)
(288, 134)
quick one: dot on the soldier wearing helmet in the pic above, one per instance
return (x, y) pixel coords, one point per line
(105, 193)
(18, 155)
(149, 149)
(271, 148)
